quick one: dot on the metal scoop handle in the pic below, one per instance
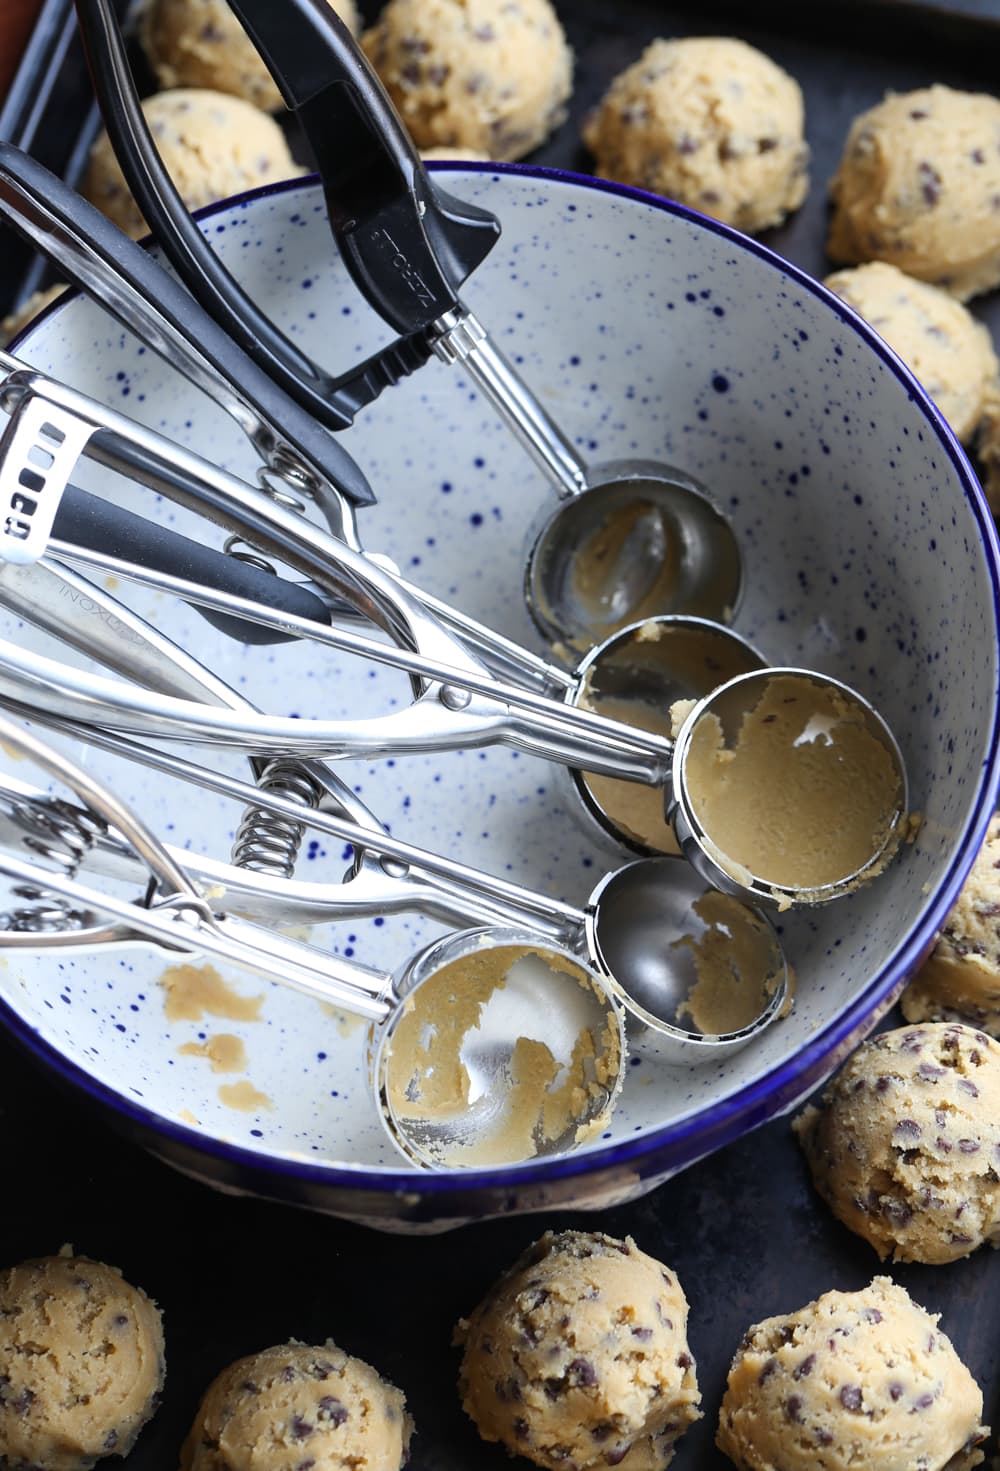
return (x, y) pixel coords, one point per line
(126, 280)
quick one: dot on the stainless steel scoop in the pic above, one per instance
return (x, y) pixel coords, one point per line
(534, 1036)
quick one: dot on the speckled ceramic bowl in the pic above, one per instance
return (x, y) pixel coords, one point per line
(650, 332)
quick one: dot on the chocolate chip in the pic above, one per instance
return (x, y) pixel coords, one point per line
(582, 1372)
(766, 145)
(968, 1146)
(332, 1410)
(684, 1361)
(806, 1367)
(643, 1334)
(924, 1402)
(895, 1391)
(872, 1315)
(929, 1072)
(793, 1408)
(917, 114)
(508, 1390)
(519, 1427)
(968, 1086)
(299, 1428)
(769, 1368)
(686, 144)
(602, 1431)
(484, 32)
(883, 1084)
(850, 1397)
(907, 1129)
(824, 1437)
(249, 1387)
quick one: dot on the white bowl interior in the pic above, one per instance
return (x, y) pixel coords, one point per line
(645, 334)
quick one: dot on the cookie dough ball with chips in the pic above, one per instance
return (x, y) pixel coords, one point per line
(949, 351)
(904, 1146)
(853, 1380)
(213, 145)
(578, 1356)
(81, 1363)
(918, 185)
(297, 1406)
(960, 981)
(492, 76)
(711, 122)
(200, 43)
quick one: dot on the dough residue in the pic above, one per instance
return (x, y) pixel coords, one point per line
(244, 1097)
(225, 1052)
(737, 962)
(193, 990)
(806, 797)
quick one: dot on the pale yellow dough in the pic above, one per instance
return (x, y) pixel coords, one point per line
(29, 310)
(492, 76)
(988, 451)
(935, 335)
(81, 1363)
(578, 1356)
(200, 43)
(904, 1145)
(918, 185)
(855, 1381)
(296, 1406)
(709, 121)
(960, 981)
(213, 145)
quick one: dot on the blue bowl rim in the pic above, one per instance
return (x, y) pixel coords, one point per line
(729, 1119)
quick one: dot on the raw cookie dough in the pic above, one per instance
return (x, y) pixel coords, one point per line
(29, 310)
(904, 1146)
(709, 121)
(961, 979)
(917, 186)
(988, 452)
(490, 75)
(855, 1381)
(578, 1356)
(213, 145)
(81, 1364)
(948, 350)
(200, 43)
(297, 1406)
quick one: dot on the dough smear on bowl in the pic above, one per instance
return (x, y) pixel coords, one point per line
(81, 1363)
(484, 75)
(904, 1145)
(578, 1356)
(200, 43)
(935, 335)
(213, 145)
(855, 1381)
(711, 122)
(296, 1406)
(960, 980)
(917, 186)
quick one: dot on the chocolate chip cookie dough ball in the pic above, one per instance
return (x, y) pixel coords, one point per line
(904, 1146)
(81, 1364)
(295, 1406)
(988, 453)
(213, 145)
(854, 1379)
(919, 186)
(711, 122)
(489, 75)
(960, 981)
(949, 351)
(200, 43)
(578, 1356)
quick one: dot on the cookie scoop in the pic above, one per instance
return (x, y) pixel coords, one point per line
(854, 1379)
(578, 1356)
(904, 1145)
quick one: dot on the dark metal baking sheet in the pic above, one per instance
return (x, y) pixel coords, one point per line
(743, 1230)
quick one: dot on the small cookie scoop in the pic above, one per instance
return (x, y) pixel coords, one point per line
(960, 981)
(212, 145)
(477, 74)
(711, 122)
(904, 1145)
(578, 1356)
(854, 1379)
(200, 43)
(917, 185)
(81, 1363)
(299, 1406)
(935, 335)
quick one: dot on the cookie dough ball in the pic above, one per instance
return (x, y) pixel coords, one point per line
(29, 310)
(905, 1144)
(579, 1357)
(711, 122)
(200, 43)
(988, 453)
(948, 350)
(213, 145)
(917, 186)
(294, 1406)
(961, 979)
(456, 155)
(81, 1364)
(490, 75)
(854, 1379)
